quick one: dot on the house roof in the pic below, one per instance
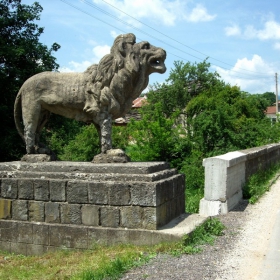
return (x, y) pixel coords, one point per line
(271, 110)
(132, 114)
(139, 102)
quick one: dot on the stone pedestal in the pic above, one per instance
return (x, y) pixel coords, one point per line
(88, 200)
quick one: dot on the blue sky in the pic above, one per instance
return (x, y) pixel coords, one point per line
(240, 37)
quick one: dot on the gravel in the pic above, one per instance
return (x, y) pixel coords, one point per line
(235, 255)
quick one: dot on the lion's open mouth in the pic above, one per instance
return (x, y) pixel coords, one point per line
(157, 63)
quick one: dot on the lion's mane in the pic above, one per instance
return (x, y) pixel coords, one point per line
(102, 80)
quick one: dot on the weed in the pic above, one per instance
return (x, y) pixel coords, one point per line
(112, 270)
(203, 234)
(259, 183)
(193, 197)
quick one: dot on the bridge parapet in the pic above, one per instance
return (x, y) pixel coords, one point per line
(226, 175)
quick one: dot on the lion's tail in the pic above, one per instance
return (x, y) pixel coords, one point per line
(17, 114)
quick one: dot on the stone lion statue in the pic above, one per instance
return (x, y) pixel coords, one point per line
(102, 93)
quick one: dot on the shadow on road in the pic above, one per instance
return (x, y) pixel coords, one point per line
(242, 205)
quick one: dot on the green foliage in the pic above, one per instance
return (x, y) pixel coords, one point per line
(224, 119)
(259, 183)
(83, 147)
(58, 132)
(21, 56)
(185, 82)
(155, 138)
(73, 141)
(193, 197)
(113, 270)
(270, 97)
(120, 137)
(203, 234)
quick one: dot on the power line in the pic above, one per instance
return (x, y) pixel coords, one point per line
(132, 26)
(77, 8)
(171, 37)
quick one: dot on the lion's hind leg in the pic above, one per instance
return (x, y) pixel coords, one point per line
(41, 148)
(30, 115)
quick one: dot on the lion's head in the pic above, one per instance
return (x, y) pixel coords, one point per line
(151, 58)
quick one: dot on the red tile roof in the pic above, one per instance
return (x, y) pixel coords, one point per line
(139, 102)
(271, 110)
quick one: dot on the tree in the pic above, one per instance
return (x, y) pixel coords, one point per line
(155, 138)
(185, 81)
(270, 97)
(21, 56)
(224, 119)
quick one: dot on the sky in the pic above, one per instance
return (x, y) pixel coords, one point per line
(240, 38)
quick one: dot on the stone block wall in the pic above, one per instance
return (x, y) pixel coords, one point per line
(261, 158)
(114, 204)
(29, 238)
(226, 175)
(75, 200)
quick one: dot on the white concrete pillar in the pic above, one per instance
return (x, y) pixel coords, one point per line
(224, 179)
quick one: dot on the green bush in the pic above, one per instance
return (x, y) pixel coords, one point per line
(83, 147)
(157, 138)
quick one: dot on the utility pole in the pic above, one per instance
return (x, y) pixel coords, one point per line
(276, 93)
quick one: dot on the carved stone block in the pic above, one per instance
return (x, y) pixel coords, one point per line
(119, 194)
(36, 211)
(52, 212)
(77, 192)
(109, 217)
(25, 189)
(57, 190)
(9, 188)
(41, 189)
(71, 213)
(5, 208)
(98, 193)
(90, 215)
(20, 210)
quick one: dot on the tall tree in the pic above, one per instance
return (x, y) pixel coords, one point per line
(21, 56)
(185, 81)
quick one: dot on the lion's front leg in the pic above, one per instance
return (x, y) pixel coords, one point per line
(106, 133)
(108, 155)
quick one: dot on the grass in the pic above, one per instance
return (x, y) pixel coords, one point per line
(103, 262)
(204, 234)
(260, 182)
(193, 197)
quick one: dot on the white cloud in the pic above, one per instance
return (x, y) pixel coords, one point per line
(233, 30)
(199, 13)
(161, 10)
(98, 53)
(251, 75)
(114, 34)
(76, 66)
(277, 46)
(165, 12)
(270, 31)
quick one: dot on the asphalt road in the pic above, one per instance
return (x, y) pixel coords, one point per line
(270, 269)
